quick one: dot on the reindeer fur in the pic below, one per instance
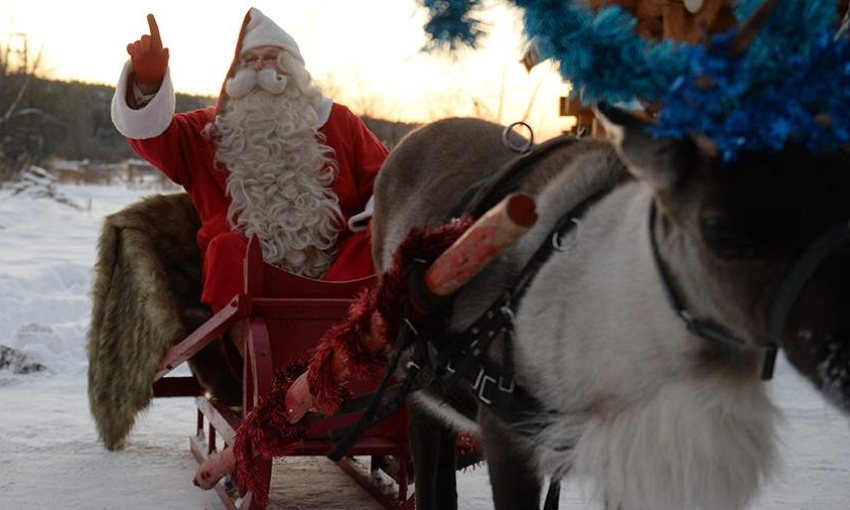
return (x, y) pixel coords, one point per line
(146, 297)
(652, 415)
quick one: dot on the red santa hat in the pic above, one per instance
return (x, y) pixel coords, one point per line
(257, 30)
(262, 31)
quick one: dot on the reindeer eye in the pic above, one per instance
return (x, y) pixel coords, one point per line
(727, 240)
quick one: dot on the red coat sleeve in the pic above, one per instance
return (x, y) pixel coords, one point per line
(178, 147)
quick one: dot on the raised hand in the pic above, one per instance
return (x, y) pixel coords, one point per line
(149, 58)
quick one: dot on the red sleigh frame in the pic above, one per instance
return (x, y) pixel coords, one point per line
(286, 317)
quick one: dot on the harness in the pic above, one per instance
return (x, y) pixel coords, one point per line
(804, 267)
(707, 330)
(462, 357)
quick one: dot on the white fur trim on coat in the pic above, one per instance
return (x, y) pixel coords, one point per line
(323, 111)
(148, 121)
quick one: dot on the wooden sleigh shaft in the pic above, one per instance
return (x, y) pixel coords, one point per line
(497, 229)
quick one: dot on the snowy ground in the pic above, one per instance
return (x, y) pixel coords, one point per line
(50, 457)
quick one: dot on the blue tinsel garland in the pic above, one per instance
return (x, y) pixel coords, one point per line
(764, 115)
(793, 71)
(451, 23)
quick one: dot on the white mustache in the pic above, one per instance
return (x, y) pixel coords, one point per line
(247, 80)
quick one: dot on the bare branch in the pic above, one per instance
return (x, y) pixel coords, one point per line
(29, 76)
(37, 62)
(17, 100)
(532, 99)
(41, 113)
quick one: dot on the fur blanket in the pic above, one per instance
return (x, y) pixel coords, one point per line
(146, 297)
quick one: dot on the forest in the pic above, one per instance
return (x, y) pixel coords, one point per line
(41, 119)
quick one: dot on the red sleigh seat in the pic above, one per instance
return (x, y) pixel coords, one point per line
(286, 317)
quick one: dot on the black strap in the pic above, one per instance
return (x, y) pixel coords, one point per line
(479, 199)
(486, 193)
(544, 252)
(459, 353)
(379, 408)
(464, 356)
(803, 269)
(700, 328)
(834, 238)
(553, 495)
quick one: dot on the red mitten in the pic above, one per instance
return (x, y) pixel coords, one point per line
(149, 58)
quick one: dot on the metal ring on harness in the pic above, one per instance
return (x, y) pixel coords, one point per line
(520, 149)
(558, 238)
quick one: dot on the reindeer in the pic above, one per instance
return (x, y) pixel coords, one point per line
(641, 339)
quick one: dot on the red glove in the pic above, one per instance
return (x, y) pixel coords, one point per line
(149, 58)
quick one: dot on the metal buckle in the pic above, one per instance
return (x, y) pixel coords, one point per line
(507, 312)
(484, 381)
(478, 378)
(509, 389)
(480, 385)
(411, 327)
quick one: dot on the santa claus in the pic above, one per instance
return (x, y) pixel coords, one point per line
(274, 158)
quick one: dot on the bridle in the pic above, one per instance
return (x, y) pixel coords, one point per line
(834, 238)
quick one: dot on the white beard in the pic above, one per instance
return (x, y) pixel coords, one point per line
(280, 177)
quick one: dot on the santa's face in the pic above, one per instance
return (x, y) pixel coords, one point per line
(262, 57)
(275, 71)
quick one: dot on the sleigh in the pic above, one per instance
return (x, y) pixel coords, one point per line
(148, 249)
(146, 294)
(286, 316)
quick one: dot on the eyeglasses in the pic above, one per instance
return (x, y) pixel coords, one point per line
(262, 61)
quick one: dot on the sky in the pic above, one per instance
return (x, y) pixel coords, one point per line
(52, 459)
(365, 52)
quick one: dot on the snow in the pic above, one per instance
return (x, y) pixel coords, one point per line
(50, 456)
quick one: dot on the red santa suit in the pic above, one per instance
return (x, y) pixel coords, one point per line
(174, 144)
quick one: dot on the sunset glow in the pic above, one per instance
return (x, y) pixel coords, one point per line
(365, 53)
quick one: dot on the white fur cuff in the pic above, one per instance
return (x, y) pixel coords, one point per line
(323, 111)
(148, 121)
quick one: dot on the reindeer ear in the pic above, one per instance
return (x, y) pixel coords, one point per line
(659, 162)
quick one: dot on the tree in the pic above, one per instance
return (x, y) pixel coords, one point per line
(25, 129)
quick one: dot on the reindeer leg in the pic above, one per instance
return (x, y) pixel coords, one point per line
(435, 488)
(510, 462)
(446, 481)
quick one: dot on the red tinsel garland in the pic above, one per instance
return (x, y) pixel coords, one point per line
(265, 431)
